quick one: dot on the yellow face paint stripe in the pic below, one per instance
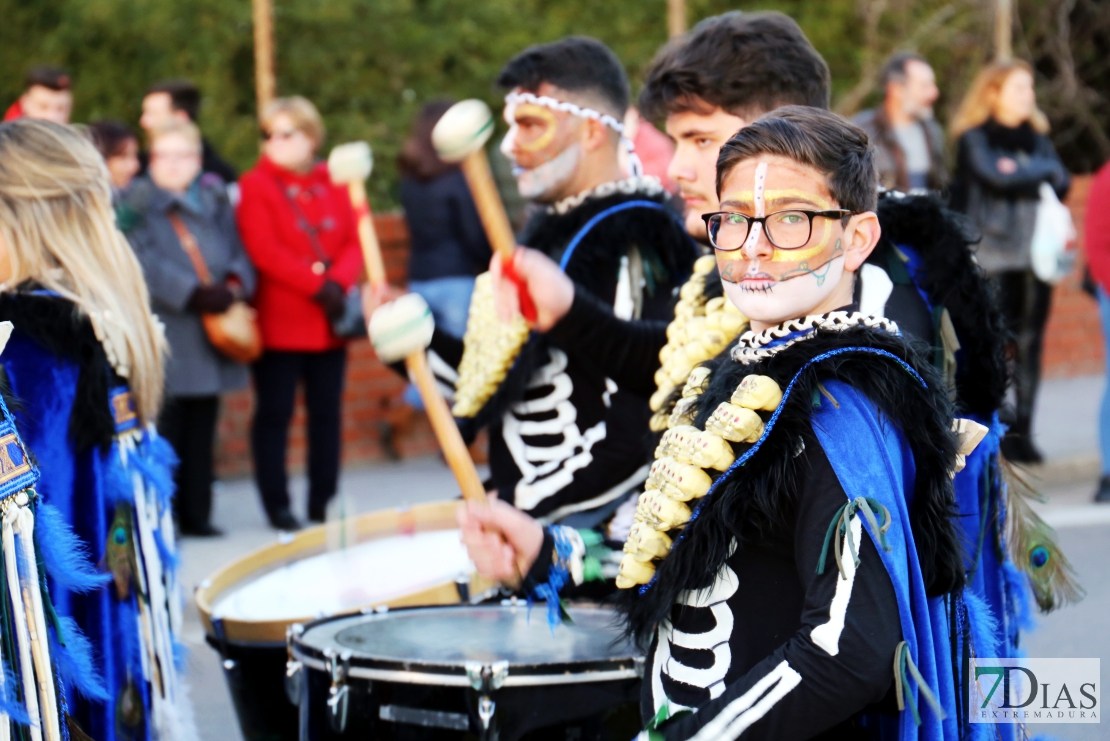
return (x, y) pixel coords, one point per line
(532, 110)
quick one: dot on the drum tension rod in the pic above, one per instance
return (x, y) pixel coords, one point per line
(486, 679)
(337, 666)
(294, 671)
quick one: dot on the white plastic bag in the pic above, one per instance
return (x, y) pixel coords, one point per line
(1053, 231)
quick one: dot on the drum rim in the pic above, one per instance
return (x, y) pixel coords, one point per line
(423, 517)
(455, 674)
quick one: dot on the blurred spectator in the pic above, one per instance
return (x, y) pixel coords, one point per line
(179, 100)
(1003, 157)
(301, 234)
(119, 147)
(1097, 242)
(46, 96)
(175, 190)
(448, 244)
(909, 145)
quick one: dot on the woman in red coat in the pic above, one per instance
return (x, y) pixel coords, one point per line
(300, 231)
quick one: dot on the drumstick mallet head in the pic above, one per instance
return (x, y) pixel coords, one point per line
(349, 163)
(462, 130)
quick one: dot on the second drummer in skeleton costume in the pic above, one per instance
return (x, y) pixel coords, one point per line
(565, 441)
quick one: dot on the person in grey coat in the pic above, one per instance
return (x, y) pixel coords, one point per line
(196, 373)
(909, 144)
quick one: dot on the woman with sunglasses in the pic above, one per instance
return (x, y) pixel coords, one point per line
(301, 233)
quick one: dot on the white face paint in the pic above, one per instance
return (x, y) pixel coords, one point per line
(535, 183)
(771, 285)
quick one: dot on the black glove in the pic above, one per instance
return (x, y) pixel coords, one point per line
(332, 298)
(212, 299)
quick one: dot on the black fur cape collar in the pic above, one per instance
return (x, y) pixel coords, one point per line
(667, 251)
(763, 499)
(55, 323)
(951, 278)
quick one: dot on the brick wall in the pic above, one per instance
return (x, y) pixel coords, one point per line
(372, 405)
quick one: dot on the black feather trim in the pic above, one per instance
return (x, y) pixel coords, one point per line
(952, 278)
(763, 500)
(56, 324)
(665, 247)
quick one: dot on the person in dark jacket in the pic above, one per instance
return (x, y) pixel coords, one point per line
(909, 144)
(196, 374)
(302, 236)
(448, 244)
(179, 100)
(1003, 156)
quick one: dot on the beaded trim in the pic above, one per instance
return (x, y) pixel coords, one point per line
(646, 184)
(755, 346)
(561, 105)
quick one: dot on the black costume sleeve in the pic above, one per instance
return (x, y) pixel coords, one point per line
(625, 351)
(820, 677)
(982, 159)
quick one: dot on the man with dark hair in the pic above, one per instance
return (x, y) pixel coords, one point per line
(909, 144)
(179, 100)
(566, 442)
(807, 593)
(46, 96)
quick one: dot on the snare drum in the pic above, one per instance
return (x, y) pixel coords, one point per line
(398, 557)
(494, 671)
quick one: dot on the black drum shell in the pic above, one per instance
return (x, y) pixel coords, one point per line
(255, 675)
(597, 711)
(592, 692)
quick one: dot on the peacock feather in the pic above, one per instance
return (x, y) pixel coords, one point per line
(119, 552)
(1032, 545)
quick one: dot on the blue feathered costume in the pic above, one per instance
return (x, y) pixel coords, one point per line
(107, 479)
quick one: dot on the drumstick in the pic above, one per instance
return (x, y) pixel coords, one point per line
(460, 136)
(351, 164)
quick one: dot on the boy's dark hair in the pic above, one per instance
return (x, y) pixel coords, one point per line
(54, 78)
(894, 70)
(744, 63)
(818, 138)
(109, 136)
(184, 96)
(577, 64)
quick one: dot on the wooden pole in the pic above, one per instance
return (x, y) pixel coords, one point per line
(1003, 30)
(264, 81)
(676, 18)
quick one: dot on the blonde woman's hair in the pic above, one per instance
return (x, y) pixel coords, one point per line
(58, 225)
(978, 105)
(300, 111)
(185, 129)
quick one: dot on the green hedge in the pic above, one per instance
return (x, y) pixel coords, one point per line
(369, 65)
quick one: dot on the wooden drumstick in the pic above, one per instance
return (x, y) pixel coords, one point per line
(460, 136)
(351, 164)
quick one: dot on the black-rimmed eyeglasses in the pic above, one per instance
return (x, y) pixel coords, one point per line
(787, 230)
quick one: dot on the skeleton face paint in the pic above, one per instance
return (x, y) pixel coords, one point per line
(542, 130)
(769, 284)
(548, 178)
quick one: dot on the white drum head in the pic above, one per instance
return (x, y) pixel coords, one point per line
(369, 573)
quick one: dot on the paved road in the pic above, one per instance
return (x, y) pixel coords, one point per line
(1064, 427)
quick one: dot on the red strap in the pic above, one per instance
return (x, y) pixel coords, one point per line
(527, 305)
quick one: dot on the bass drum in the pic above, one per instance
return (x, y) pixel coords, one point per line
(466, 672)
(396, 557)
